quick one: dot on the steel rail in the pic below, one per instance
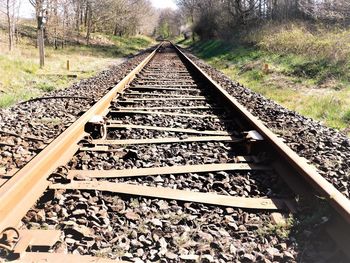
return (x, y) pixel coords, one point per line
(21, 192)
(335, 198)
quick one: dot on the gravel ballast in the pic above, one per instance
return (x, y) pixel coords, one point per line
(138, 229)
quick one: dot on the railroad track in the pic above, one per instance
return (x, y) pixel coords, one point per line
(166, 136)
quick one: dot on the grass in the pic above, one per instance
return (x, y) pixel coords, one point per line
(312, 84)
(22, 79)
(281, 230)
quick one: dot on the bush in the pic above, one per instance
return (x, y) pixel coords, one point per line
(301, 39)
(346, 117)
(47, 87)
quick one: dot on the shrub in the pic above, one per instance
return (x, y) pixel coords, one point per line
(47, 87)
(346, 117)
(301, 39)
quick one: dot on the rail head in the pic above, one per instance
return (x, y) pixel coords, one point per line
(335, 198)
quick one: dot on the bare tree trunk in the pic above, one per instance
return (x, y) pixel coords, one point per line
(55, 18)
(86, 14)
(89, 23)
(41, 46)
(40, 11)
(81, 14)
(115, 31)
(10, 26)
(16, 34)
(77, 17)
(192, 21)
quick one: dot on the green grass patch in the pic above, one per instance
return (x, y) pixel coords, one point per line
(10, 98)
(282, 231)
(346, 117)
(21, 78)
(46, 87)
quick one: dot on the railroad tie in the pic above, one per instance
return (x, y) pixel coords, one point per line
(185, 169)
(180, 195)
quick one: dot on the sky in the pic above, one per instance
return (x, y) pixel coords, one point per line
(164, 3)
(27, 10)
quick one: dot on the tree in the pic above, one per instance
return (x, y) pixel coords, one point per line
(189, 6)
(67, 19)
(39, 6)
(211, 19)
(169, 23)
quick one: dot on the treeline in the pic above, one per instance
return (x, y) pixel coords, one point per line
(76, 20)
(68, 18)
(212, 19)
(170, 23)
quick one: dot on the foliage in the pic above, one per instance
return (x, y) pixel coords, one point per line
(281, 230)
(164, 30)
(228, 18)
(169, 24)
(346, 117)
(330, 45)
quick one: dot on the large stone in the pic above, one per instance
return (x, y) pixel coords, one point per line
(132, 216)
(189, 257)
(157, 222)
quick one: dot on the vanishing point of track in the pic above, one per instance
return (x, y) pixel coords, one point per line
(166, 100)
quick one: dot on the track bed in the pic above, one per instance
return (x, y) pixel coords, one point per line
(167, 172)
